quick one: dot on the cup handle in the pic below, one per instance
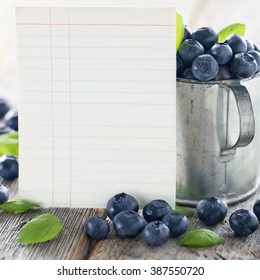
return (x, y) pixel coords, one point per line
(246, 120)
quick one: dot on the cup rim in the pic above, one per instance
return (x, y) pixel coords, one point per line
(229, 82)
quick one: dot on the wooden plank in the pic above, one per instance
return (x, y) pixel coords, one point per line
(235, 247)
(72, 243)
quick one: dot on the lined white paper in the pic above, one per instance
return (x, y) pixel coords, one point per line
(97, 104)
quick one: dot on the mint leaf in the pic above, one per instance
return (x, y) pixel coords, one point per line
(235, 28)
(183, 210)
(9, 144)
(200, 238)
(18, 206)
(41, 229)
(179, 31)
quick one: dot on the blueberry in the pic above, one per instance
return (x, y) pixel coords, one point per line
(177, 223)
(11, 120)
(9, 167)
(187, 74)
(256, 209)
(256, 56)
(187, 32)
(237, 43)
(243, 222)
(4, 107)
(224, 73)
(4, 194)
(205, 67)
(179, 64)
(243, 65)
(250, 46)
(6, 129)
(97, 228)
(221, 52)
(207, 36)
(128, 224)
(156, 210)
(120, 202)
(156, 233)
(211, 210)
(190, 49)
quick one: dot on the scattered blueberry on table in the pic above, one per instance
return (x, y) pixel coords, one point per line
(211, 211)
(243, 222)
(158, 222)
(9, 167)
(256, 209)
(128, 224)
(156, 210)
(4, 194)
(120, 202)
(177, 223)
(97, 228)
(156, 233)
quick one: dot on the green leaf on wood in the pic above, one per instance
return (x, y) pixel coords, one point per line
(9, 144)
(18, 206)
(183, 210)
(200, 238)
(235, 28)
(41, 229)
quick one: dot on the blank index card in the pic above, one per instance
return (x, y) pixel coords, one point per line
(97, 104)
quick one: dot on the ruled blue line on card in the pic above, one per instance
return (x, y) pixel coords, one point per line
(98, 87)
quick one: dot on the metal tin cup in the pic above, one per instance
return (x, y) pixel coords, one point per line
(218, 139)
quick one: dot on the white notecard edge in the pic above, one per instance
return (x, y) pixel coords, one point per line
(95, 3)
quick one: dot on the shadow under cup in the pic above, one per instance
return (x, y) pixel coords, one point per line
(218, 145)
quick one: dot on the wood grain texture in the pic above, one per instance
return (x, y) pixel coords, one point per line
(72, 243)
(235, 248)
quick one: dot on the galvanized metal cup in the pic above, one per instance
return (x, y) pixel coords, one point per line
(218, 139)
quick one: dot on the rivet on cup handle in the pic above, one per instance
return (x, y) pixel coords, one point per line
(246, 121)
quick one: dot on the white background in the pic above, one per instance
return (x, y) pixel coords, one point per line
(213, 269)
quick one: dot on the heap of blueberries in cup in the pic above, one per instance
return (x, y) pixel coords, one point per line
(158, 222)
(201, 57)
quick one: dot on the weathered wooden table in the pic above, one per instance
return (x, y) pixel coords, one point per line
(72, 243)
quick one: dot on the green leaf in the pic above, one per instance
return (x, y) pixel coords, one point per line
(9, 144)
(224, 221)
(235, 28)
(179, 30)
(41, 229)
(200, 238)
(18, 206)
(183, 210)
